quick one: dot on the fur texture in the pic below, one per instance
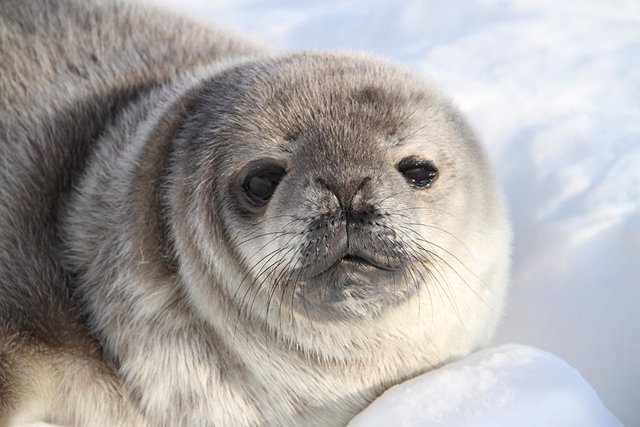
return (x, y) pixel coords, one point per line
(140, 285)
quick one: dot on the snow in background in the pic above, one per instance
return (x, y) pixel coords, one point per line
(553, 89)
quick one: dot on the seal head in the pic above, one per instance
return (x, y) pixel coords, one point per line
(343, 185)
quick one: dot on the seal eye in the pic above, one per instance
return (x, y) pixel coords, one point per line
(261, 182)
(417, 172)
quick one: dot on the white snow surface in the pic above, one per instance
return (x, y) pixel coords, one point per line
(511, 385)
(553, 89)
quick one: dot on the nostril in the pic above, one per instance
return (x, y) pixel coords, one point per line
(364, 182)
(324, 184)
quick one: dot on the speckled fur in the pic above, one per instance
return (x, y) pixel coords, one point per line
(122, 130)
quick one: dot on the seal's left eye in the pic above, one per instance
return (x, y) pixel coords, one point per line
(419, 173)
(261, 182)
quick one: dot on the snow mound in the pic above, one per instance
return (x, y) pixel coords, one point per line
(510, 385)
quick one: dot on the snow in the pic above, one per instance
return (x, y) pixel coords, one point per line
(511, 385)
(553, 89)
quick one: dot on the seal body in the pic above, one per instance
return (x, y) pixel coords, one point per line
(197, 231)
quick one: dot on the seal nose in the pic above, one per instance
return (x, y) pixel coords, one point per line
(350, 196)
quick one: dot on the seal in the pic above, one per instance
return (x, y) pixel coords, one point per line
(196, 231)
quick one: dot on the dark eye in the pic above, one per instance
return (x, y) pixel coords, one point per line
(261, 181)
(419, 173)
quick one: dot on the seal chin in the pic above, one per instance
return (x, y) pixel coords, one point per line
(353, 287)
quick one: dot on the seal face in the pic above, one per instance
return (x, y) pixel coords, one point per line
(345, 183)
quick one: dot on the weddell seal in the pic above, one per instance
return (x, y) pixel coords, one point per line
(198, 231)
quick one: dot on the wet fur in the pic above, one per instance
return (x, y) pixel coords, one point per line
(121, 301)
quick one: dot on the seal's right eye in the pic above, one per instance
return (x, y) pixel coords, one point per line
(261, 181)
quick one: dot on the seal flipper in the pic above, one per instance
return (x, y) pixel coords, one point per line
(43, 384)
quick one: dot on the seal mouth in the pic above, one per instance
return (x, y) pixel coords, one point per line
(358, 260)
(349, 261)
(352, 287)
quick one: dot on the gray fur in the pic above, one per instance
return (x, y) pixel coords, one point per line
(136, 285)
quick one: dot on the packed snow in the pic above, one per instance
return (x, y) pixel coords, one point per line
(553, 89)
(509, 386)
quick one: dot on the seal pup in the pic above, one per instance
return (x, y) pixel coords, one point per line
(197, 231)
